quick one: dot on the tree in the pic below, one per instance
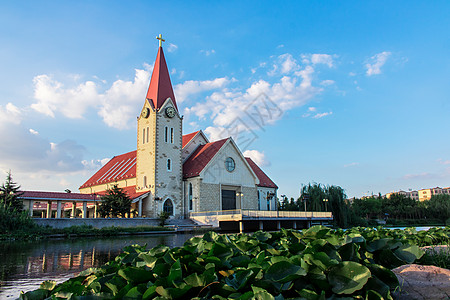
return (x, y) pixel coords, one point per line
(439, 206)
(115, 203)
(10, 194)
(319, 197)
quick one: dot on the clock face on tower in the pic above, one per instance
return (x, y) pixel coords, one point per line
(170, 112)
(145, 113)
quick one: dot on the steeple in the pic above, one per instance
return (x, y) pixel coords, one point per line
(160, 86)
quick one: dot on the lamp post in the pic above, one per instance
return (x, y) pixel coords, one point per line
(326, 202)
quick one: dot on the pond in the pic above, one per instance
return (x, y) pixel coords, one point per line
(24, 265)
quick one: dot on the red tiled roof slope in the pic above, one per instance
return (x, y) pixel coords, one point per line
(160, 87)
(129, 190)
(56, 195)
(118, 168)
(187, 137)
(264, 180)
(200, 158)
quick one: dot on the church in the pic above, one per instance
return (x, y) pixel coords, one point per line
(181, 173)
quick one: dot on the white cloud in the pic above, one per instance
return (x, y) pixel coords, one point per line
(208, 52)
(94, 164)
(258, 157)
(444, 162)
(10, 114)
(376, 62)
(184, 90)
(321, 115)
(327, 82)
(117, 105)
(284, 64)
(235, 111)
(171, 47)
(325, 59)
(312, 108)
(32, 131)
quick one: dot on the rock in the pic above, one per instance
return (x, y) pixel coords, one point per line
(423, 282)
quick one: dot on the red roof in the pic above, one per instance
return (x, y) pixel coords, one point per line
(200, 158)
(118, 168)
(129, 190)
(36, 195)
(187, 137)
(160, 86)
(264, 180)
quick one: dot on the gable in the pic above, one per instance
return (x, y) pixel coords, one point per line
(198, 160)
(191, 141)
(216, 172)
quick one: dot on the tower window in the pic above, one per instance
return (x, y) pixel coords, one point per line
(191, 204)
(171, 135)
(169, 164)
(143, 136)
(147, 134)
(166, 134)
(145, 181)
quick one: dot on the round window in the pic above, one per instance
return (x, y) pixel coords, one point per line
(229, 164)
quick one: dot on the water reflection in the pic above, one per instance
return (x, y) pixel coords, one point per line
(24, 265)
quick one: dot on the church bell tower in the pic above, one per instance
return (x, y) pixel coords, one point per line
(159, 144)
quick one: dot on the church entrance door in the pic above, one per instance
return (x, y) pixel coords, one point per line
(228, 200)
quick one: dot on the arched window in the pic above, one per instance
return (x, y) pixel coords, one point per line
(171, 135)
(168, 207)
(143, 136)
(166, 134)
(169, 164)
(191, 204)
(145, 181)
(147, 134)
(268, 201)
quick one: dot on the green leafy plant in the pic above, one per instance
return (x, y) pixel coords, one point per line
(317, 263)
(163, 216)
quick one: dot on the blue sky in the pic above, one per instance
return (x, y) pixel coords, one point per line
(362, 87)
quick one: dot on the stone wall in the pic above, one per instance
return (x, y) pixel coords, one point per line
(96, 223)
(209, 197)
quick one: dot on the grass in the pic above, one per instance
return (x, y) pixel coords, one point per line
(39, 232)
(436, 257)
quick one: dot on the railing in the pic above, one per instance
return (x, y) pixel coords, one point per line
(264, 213)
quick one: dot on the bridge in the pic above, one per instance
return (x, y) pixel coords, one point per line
(252, 220)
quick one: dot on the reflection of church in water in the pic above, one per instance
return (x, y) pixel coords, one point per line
(177, 173)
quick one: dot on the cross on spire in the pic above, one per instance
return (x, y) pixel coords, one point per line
(160, 39)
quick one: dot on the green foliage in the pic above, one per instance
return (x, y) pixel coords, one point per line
(436, 257)
(318, 197)
(12, 220)
(400, 210)
(115, 203)
(317, 263)
(163, 216)
(9, 194)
